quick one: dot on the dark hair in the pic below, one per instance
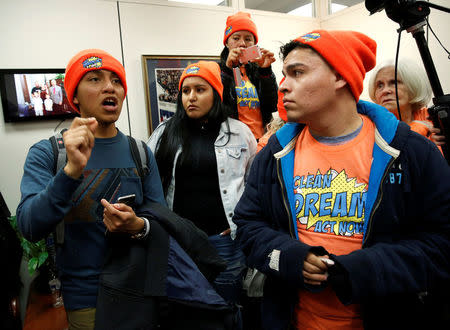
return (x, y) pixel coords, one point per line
(290, 46)
(224, 56)
(177, 133)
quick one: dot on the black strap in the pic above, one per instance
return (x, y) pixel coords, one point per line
(144, 147)
(139, 153)
(59, 150)
(59, 161)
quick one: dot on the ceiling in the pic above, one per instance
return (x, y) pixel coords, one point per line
(284, 6)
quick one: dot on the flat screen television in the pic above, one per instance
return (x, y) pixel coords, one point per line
(34, 94)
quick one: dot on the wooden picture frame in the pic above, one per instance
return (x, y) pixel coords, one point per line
(161, 77)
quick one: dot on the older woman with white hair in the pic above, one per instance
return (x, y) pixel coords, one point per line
(414, 95)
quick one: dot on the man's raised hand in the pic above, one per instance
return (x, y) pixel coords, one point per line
(79, 141)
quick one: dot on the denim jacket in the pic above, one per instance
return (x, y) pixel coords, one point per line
(233, 163)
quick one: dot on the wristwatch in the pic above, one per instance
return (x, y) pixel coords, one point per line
(144, 231)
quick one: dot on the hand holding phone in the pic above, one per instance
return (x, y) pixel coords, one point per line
(117, 217)
(249, 54)
(127, 199)
(327, 261)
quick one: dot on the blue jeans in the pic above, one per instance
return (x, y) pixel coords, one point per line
(229, 283)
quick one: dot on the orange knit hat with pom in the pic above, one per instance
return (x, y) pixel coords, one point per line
(350, 53)
(89, 60)
(208, 70)
(239, 22)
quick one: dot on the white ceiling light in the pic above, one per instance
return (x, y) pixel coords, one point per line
(201, 2)
(305, 11)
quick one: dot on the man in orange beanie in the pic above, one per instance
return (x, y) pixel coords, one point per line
(84, 191)
(250, 89)
(345, 210)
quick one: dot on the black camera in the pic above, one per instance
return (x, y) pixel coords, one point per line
(405, 12)
(411, 15)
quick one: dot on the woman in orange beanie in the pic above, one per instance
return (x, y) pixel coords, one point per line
(253, 97)
(204, 158)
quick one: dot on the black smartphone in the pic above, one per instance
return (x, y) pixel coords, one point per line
(127, 199)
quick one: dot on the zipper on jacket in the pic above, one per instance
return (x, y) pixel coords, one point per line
(378, 201)
(283, 192)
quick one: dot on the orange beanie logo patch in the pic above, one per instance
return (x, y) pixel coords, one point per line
(310, 37)
(192, 70)
(228, 30)
(93, 62)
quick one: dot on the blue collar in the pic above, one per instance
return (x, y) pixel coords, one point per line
(385, 122)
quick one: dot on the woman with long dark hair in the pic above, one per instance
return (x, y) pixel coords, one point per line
(203, 158)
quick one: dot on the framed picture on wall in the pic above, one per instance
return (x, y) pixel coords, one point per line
(162, 74)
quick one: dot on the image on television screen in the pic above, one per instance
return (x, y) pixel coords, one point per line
(34, 95)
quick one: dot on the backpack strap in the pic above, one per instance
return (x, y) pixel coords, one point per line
(59, 150)
(59, 161)
(139, 152)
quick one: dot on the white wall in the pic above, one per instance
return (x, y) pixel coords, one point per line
(47, 33)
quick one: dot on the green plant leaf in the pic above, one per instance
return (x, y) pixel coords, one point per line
(26, 248)
(13, 222)
(32, 265)
(35, 252)
(42, 258)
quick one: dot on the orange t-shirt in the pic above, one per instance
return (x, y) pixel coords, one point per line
(262, 142)
(248, 105)
(421, 124)
(330, 186)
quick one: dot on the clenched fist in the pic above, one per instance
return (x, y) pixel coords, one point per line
(79, 141)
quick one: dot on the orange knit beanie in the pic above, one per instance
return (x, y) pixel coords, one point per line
(239, 22)
(350, 53)
(89, 60)
(280, 106)
(208, 70)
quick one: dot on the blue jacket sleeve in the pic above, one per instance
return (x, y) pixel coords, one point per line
(263, 226)
(46, 197)
(416, 259)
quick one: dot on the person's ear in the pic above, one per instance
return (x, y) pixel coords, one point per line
(340, 81)
(75, 99)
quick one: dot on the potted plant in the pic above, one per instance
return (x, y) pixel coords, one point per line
(36, 256)
(35, 253)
